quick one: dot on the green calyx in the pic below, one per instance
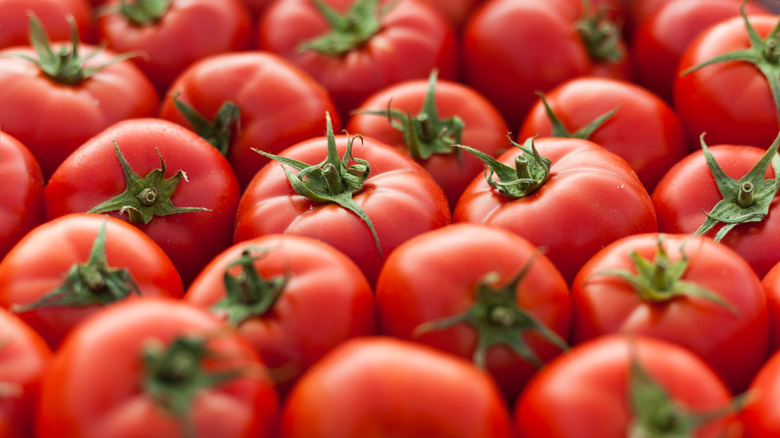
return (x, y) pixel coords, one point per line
(143, 12)
(600, 35)
(333, 180)
(498, 320)
(744, 200)
(248, 293)
(531, 170)
(217, 132)
(584, 133)
(348, 31)
(660, 280)
(89, 283)
(425, 134)
(146, 197)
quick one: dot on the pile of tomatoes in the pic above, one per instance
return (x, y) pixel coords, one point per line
(395, 218)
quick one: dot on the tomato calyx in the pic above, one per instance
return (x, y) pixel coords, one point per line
(425, 134)
(248, 293)
(89, 283)
(146, 197)
(660, 280)
(348, 31)
(141, 12)
(531, 170)
(218, 132)
(744, 200)
(333, 180)
(498, 320)
(560, 130)
(600, 35)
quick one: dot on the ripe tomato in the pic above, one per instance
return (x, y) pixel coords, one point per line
(173, 34)
(278, 105)
(53, 14)
(759, 417)
(73, 266)
(480, 292)
(175, 370)
(424, 119)
(771, 284)
(160, 176)
(620, 386)
(274, 289)
(456, 11)
(384, 386)
(21, 192)
(24, 357)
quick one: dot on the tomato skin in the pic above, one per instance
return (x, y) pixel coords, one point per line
(93, 174)
(295, 332)
(82, 397)
(484, 128)
(759, 416)
(771, 284)
(53, 15)
(594, 376)
(384, 386)
(400, 197)
(434, 276)
(24, 357)
(280, 104)
(21, 192)
(592, 198)
(644, 130)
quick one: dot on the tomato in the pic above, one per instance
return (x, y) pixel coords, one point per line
(568, 195)
(759, 416)
(24, 357)
(480, 292)
(160, 176)
(364, 204)
(644, 130)
(174, 370)
(173, 34)
(622, 386)
(360, 46)
(21, 192)
(274, 289)
(771, 284)
(278, 105)
(73, 266)
(384, 386)
(456, 11)
(54, 14)
(55, 105)
(424, 118)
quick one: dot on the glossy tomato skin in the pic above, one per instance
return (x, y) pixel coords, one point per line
(52, 119)
(39, 264)
(644, 130)
(24, 357)
(595, 376)
(730, 101)
(771, 285)
(435, 275)
(188, 31)
(295, 332)
(82, 397)
(592, 197)
(21, 192)
(689, 189)
(279, 104)
(483, 128)
(759, 416)
(53, 14)
(413, 39)
(400, 198)
(384, 386)
(93, 174)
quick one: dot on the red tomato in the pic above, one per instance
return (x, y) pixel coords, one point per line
(643, 130)
(189, 213)
(175, 35)
(583, 197)
(383, 42)
(274, 289)
(398, 199)
(174, 371)
(383, 386)
(618, 386)
(456, 11)
(70, 267)
(21, 192)
(279, 105)
(54, 14)
(24, 357)
(479, 292)
(760, 417)
(771, 284)
(426, 119)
